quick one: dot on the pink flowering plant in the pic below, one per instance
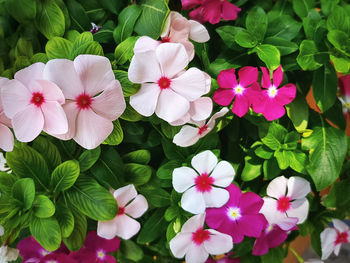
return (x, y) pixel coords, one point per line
(168, 131)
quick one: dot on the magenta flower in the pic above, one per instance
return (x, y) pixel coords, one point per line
(344, 88)
(57, 258)
(244, 92)
(272, 99)
(6, 136)
(96, 249)
(239, 217)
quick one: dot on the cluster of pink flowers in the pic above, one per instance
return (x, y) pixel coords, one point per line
(67, 99)
(231, 214)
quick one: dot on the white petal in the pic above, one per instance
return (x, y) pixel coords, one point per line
(126, 227)
(183, 178)
(217, 197)
(144, 67)
(277, 187)
(298, 187)
(187, 136)
(71, 110)
(125, 194)
(340, 225)
(180, 243)
(328, 238)
(201, 108)
(107, 229)
(204, 162)
(172, 58)
(196, 254)
(137, 207)
(28, 74)
(217, 115)
(146, 99)
(223, 174)
(218, 243)
(145, 43)
(192, 201)
(193, 223)
(183, 120)
(198, 32)
(337, 249)
(299, 209)
(54, 117)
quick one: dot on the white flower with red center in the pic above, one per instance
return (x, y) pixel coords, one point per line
(94, 97)
(196, 243)
(333, 238)
(286, 204)
(33, 104)
(6, 136)
(189, 135)
(166, 88)
(131, 205)
(202, 185)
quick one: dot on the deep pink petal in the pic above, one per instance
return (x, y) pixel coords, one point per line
(250, 203)
(240, 105)
(110, 259)
(229, 11)
(212, 11)
(247, 76)
(286, 94)
(266, 79)
(254, 94)
(189, 4)
(235, 195)
(261, 246)
(223, 96)
(227, 79)
(277, 76)
(215, 217)
(30, 248)
(252, 225)
(276, 236)
(94, 242)
(344, 85)
(273, 111)
(197, 14)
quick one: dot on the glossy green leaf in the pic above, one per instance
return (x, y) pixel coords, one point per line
(284, 26)
(284, 46)
(76, 239)
(138, 156)
(246, 39)
(271, 169)
(306, 58)
(252, 168)
(263, 152)
(131, 250)
(58, 47)
(43, 207)
(298, 113)
(23, 190)
(275, 136)
(126, 22)
(269, 54)
(128, 87)
(298, 162)
(47, 232)
(65, 219)
(125, 50)
(256, 23)
(48, 150)
(88, 158)
(340, 40)
(21, 10)
(138, 174)
(228, 34)
(302, 7)
(64, 176)
(310, 23)
(116, 136)
(153, 227)
(283, 158)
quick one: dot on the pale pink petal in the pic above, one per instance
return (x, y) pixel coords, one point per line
(277, 76)
(28, 74)
(227, 79)
(189, 48)
(54, 117)
(51, 91)
(218, 243)
(4, 119)
(223, 97)
(91, 129)
(6, 138)
(299, 209)
(217, 115)
(183, 120)
(171, 106)
(146, 43)
(229, 11)
(126, 227)
(298, 187)
(266, 79)
(204, 162)
(137, 207)
(107, 229)
(192, 201)
(35, 86)
(198, 32)
(187, 136)
(196, 254)
(247, 76)
(145, 100)
(15, 97)
(179, 29)
(110, 104)
(192, 224)
(277, 187)
(3, 81)
(172, 58)
(201, 108)
(95, 72)
(223, 174)
(328, 238)
(191, 84)
(28, 123)
(144, 67)
(286, 94)
(71, 110)
(207, 82)
(240, 105)
(180, 243)
(64, 75)
(337, 249)
(183, 178)
(125, 194)
(216, 197)
(340, 225)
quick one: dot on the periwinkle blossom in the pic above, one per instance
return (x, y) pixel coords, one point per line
(243, 91)
(344, 88)
(6, 136)
(33, 104)
(196, 243)
(202, 185)
(333, 238)
(94, 97)
(131, 205)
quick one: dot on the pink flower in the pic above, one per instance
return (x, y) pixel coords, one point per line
(271, 101)
(94, 97)
(239, 217)
(333, 238)
(166, 88)
(189, 135)
(57, 258)
(6, 136)
(33, 104)
(244, 92)
(286, 203)
(344, 88)
(227, 258)
(96, 249)
(131, 205)
(196, 243)
(211, 10)
(201, 186)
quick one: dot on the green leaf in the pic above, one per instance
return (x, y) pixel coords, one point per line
(298, 161)
(246, 39)
(39, 57)
(327, 6)
(263, 152)
(21, 10)
(116, 137)
(156, 196)
(324, 86)
(339, 196)
(126, 22)
(130, 114)
(64, 176)
(271, 169)
(88, 158)
(269, 54)
(228, 34)
(76, 239)
(153, 227)
(125, 50)
(285, 47)
(284, 27)
(339, 19)
(24, 191)
(274, 255)
(58, 47)
(128, 87)
(152, 18)
(302, 7)
(50, 19)
(24, 47)
(139, 156)
(298, 113)
(65, 219)
(306, 58)
(92, 199)
(283, 158)
(168, 130)
(165, 171)
(79, 18)
(48, 150)
(341, 64)
(6, 182)
(43, 207)
(327, 147)
(105, 34)
(291, 141)
(26, 162)
(171, 213)
(47, 232)
(275, 136)
(310, 23)
(340, 40)
(138, 174)
(131, 250)
(256, 23)
(252, 168)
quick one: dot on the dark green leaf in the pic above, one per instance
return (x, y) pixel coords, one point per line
(284, 46)
(139, 156)
(228, 34)
(156, 196)
(131, 250)
(306, 58)
(138, 174)
(80, 21)
(48, 150)
(339, 19)
(47, 232)
(166, 170)
(340, 40)
(76, 239)
(271, 169)
(284, 27)
(256, 23)
(88, 158)
(252, 168)
(116, 137)
(327, 6)
(64, 176)
(302, 7)
(21, 10)
(126, 22)
(24, 191)
(153, 228)
(65, 219)
(310, 23)
(298, 113)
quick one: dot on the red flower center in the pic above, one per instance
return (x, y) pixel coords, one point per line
(121, 211)
(204, 182)
(283, 204)
(202, 129)
(342, 238)
(37, 99)
(84, 101)
(164, 83)
(200, 236)
(165, 39)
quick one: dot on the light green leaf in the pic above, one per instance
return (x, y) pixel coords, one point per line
(339, 19)
(139, 156)
(252, 168)
(246, 39)
(24, 191)
(263, 152)
(58, 47)
(306, 57)
(64, 176)
(283, 158)
(125, 50)
(310, 23)
(47, 232)
(88, 158)
(340, 40)
(269, 54)
(117, 135)
(275, 136)
(39, 57)
(298, 161)
(43, 207)
(298, 113)
(341, 64)
(126, 22)
(128, 87)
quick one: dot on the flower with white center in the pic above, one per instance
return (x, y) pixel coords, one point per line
(196, 243)
(189, 135)
(131, 205)
(286, 203)
(201, 185)
(333, 238)
(166, 88)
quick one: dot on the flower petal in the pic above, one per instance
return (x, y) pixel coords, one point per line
(146, 43)
(28, 74)
(240, 105)
(250, 203)
(216, 217)
(266, 79)
(192, 224)
(277, 76)
(146, 99)
(183, 178)
(223, 97)
(144, 67)
(229, 11)
(247, 76)
(328, 238)
(196, 254)
(223, 174)
(217, 197)
(299, 209)
(187, 136)
(201, 108)
(218, 243)
(192, 201)
(198, 32)
(227, 79)
(273, 111)
(217, 115)
(277, 187)
(137, 207)
(127, 227)
(54, 117)
(125, 194)
(286, 94)
(252, 225)
(51, 91)
(71, 110)
(204, 162)
(180, 243)
(340, 225)
(6, 140)
(235, 195)
(298, 187)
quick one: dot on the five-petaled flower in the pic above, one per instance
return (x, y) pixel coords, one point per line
(6, 136)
